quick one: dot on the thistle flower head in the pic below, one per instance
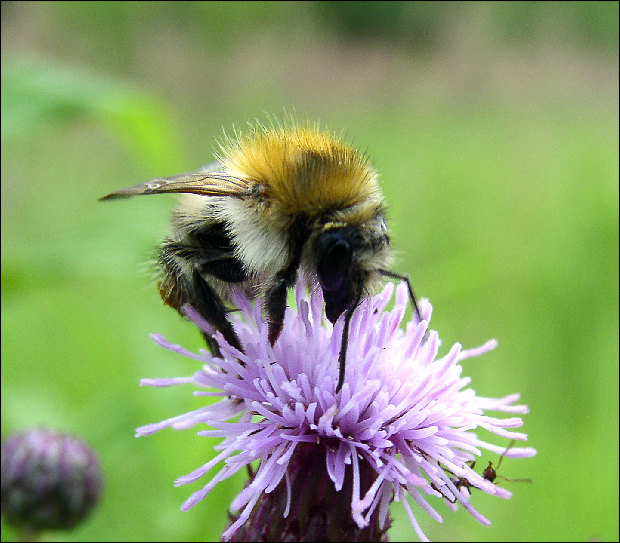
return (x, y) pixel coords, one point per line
(400, 429)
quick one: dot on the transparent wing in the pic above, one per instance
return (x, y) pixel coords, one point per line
(209, 180)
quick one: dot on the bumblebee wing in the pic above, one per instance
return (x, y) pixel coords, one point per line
(211, 168)
(209, 180)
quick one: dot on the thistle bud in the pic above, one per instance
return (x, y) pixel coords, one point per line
(50, 481)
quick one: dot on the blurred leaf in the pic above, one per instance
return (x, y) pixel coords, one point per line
(37, 94)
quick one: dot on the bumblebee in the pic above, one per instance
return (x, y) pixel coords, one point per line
(280, 203)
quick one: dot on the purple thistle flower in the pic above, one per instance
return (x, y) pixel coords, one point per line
(401, 428)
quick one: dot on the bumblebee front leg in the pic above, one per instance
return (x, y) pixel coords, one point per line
(276, 306)
(213, 310)
(344, 342)
(276, 298)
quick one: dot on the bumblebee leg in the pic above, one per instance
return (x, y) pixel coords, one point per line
(276, 306)
(213, 310)
(342, 357)
(276, 297)
(212, 345)
(210, 253)
(344, 342)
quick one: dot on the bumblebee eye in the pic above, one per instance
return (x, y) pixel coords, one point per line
(334, 260)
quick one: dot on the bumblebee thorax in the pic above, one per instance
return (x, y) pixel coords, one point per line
(303, 170)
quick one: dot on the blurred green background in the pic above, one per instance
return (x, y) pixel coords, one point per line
(495, 128)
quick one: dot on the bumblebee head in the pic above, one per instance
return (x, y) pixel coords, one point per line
(334, 253)
(347, 259)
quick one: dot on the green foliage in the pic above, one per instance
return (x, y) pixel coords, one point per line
(592, 24)
(36, 94)
(425, 24)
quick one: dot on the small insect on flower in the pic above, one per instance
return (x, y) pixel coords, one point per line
(279, 202)
(490, 473)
